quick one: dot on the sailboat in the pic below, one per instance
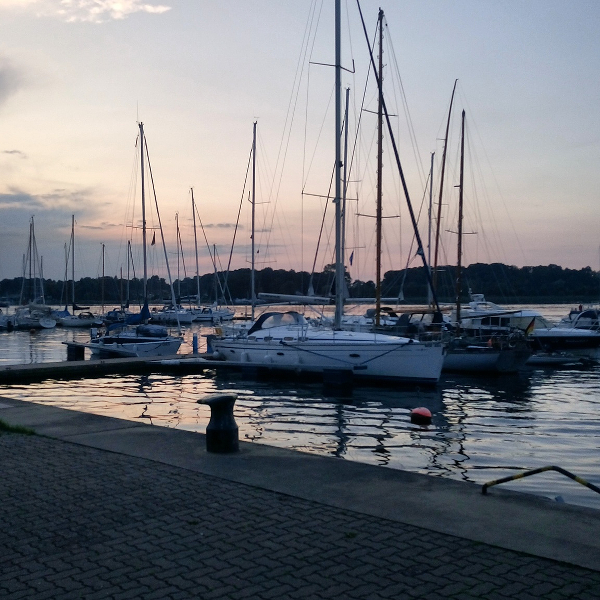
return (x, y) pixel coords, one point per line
(287, 341)
(84, 318)
(123, 339)
(36, 314)
(504, 354)
(174, 313)
(214, 313)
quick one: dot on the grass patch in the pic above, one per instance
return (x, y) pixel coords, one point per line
(4, 426)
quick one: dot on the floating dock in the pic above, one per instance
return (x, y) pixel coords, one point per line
(79, 369)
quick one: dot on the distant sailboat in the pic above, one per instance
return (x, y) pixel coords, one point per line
(83, 319)
(33, 313)
(143, 339)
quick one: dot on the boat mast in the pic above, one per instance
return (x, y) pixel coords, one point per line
(196, 249)
(32, 258)
(178, 242)
(339, 259)
(141, 126)
(102, 278)
(378, 218)
(128, 269)
(439, 210)
(252, 275)
(73, 260)
(430, 215)
(345, 173)
(460, 223)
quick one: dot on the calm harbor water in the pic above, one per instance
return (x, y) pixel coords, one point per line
(483, 428)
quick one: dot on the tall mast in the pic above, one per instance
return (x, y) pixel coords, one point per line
(460, 223)
(339, 259)
(128, 266)
(429, 221)
(252, 274)
(379, 214)
(196, 249)
(32, 258)
(73, 259)
(102, 278)
(345, 173)
(141, 125)
(178, 244)
(430, 214)
(439, 211)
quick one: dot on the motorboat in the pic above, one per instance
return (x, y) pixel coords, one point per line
(578, 333)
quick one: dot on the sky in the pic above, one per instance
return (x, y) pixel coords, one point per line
(76, 77)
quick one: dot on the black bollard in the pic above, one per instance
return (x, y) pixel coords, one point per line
(222, 430)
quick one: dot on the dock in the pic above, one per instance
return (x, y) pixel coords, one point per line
(99, 507)
(78, 369)
(177, 363)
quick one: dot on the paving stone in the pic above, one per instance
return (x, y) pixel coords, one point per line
(105, 525)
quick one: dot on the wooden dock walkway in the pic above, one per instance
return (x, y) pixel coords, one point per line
(80, 369)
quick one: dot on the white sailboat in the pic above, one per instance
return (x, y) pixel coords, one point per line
(287, 341)
(142, 340)
(84, 318)
(35, 314)
(214, 313)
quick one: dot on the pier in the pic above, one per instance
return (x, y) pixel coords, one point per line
(101, 507)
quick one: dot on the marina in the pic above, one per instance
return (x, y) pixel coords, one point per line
(483, 427)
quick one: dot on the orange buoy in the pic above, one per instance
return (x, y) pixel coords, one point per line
(420, 416)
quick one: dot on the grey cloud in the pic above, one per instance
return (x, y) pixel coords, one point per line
(11, 80)
(15, 153)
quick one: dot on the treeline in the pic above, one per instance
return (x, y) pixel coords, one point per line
(500, 283)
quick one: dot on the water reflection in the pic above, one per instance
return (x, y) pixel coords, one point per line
(482, 428)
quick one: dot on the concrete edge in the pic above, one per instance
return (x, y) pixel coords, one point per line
(510, 520)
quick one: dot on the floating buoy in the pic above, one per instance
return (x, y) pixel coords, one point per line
(420, 416)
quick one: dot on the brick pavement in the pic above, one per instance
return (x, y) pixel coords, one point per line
(77, 522)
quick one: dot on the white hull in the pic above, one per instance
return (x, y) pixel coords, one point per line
(184, 317)
(74, 321)
(210, 315)
(318, 350)
(133, 347)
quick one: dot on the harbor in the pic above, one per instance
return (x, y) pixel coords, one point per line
(483, 427)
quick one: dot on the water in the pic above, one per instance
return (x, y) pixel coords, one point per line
(483, 428)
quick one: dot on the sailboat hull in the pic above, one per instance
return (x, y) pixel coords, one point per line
(126, 346)
(382, 360)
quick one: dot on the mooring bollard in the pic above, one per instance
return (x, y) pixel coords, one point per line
(222, 430)
(195, 343)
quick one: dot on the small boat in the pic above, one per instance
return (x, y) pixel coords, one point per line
(83, 319)
(212, 314)
(143, 340)
(34, 317)
(173, 314)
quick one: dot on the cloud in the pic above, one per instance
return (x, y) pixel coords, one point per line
(55, 207)
(17, 153)
(221, 226)
(91, 11)
(11, 79)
